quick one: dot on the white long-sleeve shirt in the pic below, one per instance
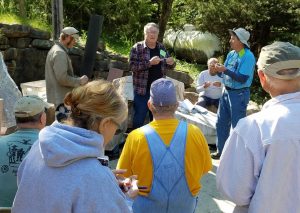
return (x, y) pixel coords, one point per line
(259, 165)
(211, 91)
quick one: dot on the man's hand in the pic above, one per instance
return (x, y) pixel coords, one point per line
(83, 80)
(217, 83)
(170, 61)
(128, 185)
(206, 84)
(154, 60)
(220, 67)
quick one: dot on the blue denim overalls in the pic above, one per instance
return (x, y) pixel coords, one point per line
(170, 191)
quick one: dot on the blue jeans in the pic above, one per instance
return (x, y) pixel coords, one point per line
(140, 109)
(233, 107)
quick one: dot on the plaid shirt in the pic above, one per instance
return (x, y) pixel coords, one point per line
(139, 65)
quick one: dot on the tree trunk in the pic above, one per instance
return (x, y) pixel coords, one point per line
(22, 8)
(166, 10)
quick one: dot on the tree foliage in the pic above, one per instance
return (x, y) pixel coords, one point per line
(267, 20)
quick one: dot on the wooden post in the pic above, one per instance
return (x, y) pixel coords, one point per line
(94, 33)
(57, 18)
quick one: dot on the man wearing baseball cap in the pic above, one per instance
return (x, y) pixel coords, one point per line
(30, 118)
(168, 156)
(59, 74)
(237, 73)
(259, 166)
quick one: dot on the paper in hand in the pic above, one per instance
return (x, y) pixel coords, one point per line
(162, 53)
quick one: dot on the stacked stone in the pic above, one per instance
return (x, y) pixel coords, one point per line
(25, 50)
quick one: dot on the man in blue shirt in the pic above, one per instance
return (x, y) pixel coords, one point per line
(31, 118)
(237, 73)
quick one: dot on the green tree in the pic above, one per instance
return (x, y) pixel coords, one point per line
(266, 20)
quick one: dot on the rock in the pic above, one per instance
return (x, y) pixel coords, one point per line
(10, 54)
(181, 76)
(3, 40)
(100, 55)
(11, 66)
(39, 34)
(119, 65)
(4, 46)
(118, 57)
(101, 65)
(42, 44)
(191, 89)
(100, 75)
(15, 30)
(76, 51)
(30, 65)
(20, 42)
(191, 96)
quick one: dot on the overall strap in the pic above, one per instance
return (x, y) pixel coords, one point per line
(158, 148)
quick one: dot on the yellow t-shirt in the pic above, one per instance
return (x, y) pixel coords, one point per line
(136, 157)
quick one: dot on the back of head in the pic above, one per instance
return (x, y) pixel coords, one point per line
(29, 109)
(163, 96)
(280, 60)
(97, 99)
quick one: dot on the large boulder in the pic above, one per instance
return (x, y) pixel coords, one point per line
(193, 46)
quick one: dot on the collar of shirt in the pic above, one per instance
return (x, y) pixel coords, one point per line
(63, 47)
(241, 53)
(280, 99)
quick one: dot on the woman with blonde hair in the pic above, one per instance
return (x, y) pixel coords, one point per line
(61, 173)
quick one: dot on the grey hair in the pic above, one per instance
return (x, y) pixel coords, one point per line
(164, 109)
(211, 60)
(151, 24)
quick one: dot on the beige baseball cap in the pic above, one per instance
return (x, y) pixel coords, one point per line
(28, 106)
(71, 31)
(280, 60)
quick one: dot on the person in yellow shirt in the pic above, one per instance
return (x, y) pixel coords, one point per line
(168, 156)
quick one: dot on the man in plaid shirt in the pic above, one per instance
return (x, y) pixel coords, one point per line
(148, 61)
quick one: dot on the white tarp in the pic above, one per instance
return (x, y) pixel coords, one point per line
(200, 117)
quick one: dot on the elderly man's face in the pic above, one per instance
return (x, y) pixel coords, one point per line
(235, 43)
(151, 35)
(212, 69)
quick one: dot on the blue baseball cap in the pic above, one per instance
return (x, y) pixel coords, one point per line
(163, 92)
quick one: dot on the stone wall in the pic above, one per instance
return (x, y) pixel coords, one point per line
(25, 50)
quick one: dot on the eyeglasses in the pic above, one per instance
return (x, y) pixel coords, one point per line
(119, 129)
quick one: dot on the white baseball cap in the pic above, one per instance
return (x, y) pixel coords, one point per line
(71, 31)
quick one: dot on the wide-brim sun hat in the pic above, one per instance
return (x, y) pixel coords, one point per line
(242, 34)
